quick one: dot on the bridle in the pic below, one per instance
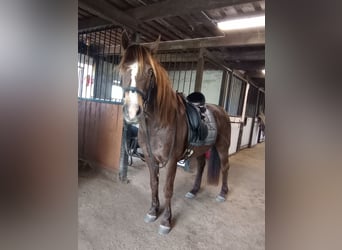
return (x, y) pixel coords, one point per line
(145, 96)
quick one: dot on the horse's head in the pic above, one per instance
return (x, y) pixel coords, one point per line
(138, 80)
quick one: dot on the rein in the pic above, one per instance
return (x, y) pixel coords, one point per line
(147, 99)
(149, 148)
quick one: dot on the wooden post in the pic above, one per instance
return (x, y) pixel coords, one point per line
(224, 88)
(242, 123)
(228, 92)
(123, 156)
(254, 116)
(199, 71)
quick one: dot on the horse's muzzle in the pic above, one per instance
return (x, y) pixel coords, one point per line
(132, 113)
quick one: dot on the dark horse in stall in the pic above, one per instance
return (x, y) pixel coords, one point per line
(163, 127)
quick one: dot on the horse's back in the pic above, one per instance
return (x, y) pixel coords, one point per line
(220, 114)
(222, 122)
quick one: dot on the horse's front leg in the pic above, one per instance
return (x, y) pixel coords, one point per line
(165, 225)
(152, 214)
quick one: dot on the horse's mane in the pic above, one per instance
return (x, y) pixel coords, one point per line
(165, 102)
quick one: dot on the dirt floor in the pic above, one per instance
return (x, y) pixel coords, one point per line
(111, 214)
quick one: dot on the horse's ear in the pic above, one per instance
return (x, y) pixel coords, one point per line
(124, 40)
(155, 45)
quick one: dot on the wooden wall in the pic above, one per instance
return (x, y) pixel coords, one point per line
(99, 133)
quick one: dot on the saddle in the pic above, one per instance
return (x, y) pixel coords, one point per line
(195, 109)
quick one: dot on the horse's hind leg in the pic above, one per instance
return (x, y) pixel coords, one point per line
(198, 180)
(224, 158)
(154, 181)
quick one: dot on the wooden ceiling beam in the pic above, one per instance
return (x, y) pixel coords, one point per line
(230, 40)
(179, 7)
(93, 22)
(246, 65)
(108, 12)
(253, 55)
(175, 57)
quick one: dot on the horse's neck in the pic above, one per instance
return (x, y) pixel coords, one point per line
(152, 119)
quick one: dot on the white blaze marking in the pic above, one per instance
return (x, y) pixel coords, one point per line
(133, 97)
(134, 72)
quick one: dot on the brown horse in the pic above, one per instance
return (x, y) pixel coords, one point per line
(163, 127)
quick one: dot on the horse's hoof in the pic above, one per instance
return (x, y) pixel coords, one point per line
(190, 195)
(220, 198)
(164, 230)
(150, 218)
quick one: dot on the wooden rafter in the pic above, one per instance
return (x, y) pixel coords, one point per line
(253, 55)
(256, 37)
(179, 7)
(106, 11)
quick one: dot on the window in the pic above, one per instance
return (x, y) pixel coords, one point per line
(235, 98)
(98, 65)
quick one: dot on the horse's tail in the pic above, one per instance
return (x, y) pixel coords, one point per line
(214, 165)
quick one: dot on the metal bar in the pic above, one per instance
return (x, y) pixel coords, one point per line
(96, 59)
(245, 94)
(179, 73)
(199, 71)
(88, 42)
(102, 67)
(246, 90)
(174, 70)
(84, 129)
(107, 64)
(223, 88)
(92, 75)
(169, 65)
(117, 73)
(185, 76)
(123, 156)
(80, 76)
(190, 83)
(101, 101)
(229, 91)
(112, 62)
(241, 98)
(83, 71)
(165, 60)
(253, 123)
